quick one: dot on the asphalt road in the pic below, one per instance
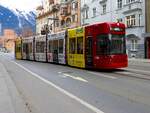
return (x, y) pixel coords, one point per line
(70, 90)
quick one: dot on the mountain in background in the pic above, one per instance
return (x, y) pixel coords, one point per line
(17, 20)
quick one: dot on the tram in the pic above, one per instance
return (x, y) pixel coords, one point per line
(56, 47)
(105, 46)
(40, 48)
(28, 48)
(18, 48)
(97, 46)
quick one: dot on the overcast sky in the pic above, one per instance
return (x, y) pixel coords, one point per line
(26, 5)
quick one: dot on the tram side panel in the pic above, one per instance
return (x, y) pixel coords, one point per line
(75, 47)
(49, 49)
(28, 48)
(40, 48)
(62, 47)
(56, 48)
(18, 49)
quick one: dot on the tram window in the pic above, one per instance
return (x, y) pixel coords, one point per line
(72, 45)
(61, 45)
(103, 43)
(24, 47)
(50, 46)
(40, 46)
(89, 45)
(118, 44)
(79, 45)
(30, 47)
(55, 45)
(18, 47)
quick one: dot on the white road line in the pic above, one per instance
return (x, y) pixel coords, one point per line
(125, 72)
(89, 106)
(136, 70)
(103, 75)
(134, 75)
(75, 78)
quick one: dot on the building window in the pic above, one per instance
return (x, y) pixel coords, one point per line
(129, 1)
(57, 23)
(74, 6)
(62, 23)
(134, 45)
(104, 8)
(119, 20)
(94, 12)
(85, 14)
(119, 3)
(68, 22)
(140, 19)
(130, 20)
(74, 18)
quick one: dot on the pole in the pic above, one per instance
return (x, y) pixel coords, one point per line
(46, 42)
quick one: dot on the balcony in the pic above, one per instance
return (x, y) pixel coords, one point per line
(102, 1)
(55, 7)
(131, 7)
(65, 10)
(51, 2)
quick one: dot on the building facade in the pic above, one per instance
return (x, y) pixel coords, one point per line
(57, 15)
(8, 39)
(130, 12)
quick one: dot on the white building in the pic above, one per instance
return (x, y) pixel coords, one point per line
(130, 12)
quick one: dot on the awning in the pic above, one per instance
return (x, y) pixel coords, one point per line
(132, 37)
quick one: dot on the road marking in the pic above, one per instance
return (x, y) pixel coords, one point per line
(103, 75)
(89, 106)
(134, 75)
(76, 78)
(125, 72)
(144, 71)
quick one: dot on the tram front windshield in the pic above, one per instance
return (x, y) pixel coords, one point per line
(110, 44)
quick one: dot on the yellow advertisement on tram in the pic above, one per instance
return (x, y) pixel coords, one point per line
(75, 47)
(18, 48)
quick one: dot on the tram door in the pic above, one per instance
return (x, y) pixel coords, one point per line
(27, 51)
(55, 51)
(89, 52)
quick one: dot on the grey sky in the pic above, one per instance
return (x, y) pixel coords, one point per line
(26, 5)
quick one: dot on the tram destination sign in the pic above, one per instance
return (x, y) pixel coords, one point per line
(117, 29)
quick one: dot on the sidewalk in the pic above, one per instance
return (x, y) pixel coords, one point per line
(139, 60)
(10, 99)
